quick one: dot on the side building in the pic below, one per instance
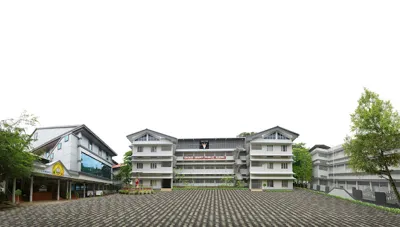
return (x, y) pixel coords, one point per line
(261, 161)
(331, 168)
(74, 162)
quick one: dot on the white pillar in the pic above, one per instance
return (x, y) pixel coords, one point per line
(370, 185)
(250, 184)
(13, 189)
(31, 190)
(319, 182)
(345, 185)
(94, 189)
(70, 190)
(357, 185)
(172, 183)
(58, 189)
(389, 187)
(84, 190)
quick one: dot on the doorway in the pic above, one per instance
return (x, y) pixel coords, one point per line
(166, 183)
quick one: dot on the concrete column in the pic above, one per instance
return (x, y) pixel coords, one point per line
(94, 189)
(13, 189)
(172, 183)
(31, 190)
(70, 190)
(84, 190)
(357, 185)
(58, 189)
(389, 187)
(250, 184)
(319, 182)
(67, 193)
(345, 185)
(370, 185)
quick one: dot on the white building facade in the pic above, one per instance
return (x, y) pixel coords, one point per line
(261, 161)
(331, 168)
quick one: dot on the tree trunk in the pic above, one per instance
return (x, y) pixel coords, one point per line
(392, 183)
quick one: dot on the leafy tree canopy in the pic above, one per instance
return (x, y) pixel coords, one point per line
(15, 159)
(125, 172)
(245, 134)
(302, 165)
(375, 128)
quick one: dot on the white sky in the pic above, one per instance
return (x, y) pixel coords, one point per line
(197, 69)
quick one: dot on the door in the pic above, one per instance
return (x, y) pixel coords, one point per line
(166, 183)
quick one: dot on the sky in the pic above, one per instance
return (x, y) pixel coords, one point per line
(197, 68)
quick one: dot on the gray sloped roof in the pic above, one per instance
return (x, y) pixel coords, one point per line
(293, 134)
(152, 132)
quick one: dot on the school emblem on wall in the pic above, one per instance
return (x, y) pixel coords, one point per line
(58, 169)
(204, 144)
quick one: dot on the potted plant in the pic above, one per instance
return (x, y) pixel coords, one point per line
(265, 185)
(76, 195)
(18, 193)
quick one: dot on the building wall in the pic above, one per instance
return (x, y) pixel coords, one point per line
(45, 135)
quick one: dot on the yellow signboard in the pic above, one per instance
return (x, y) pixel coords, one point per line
(58, 169)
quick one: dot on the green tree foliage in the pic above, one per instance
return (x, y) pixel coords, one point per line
(302, 165)
(375, 128)
(245, 134)
(15, 159)
(125, 172)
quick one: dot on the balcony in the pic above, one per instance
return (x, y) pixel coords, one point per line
(270, 153)
(155, 154)
(272, 159)
(204, 158)
(157, 170)
(206, 171)
(156, 159)
(265, 170)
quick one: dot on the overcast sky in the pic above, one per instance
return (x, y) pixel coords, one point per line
(197, 69)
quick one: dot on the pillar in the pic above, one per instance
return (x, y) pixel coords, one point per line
(13, 189)
(389, 187)
(370, 185)
(345, 185)
(172, 182)
(84, 190)
(70, 190)
(94, 189)
(250, 184)
(67, 189)
(58, 189)
(357, 185)
(31, 190)
(319, 183)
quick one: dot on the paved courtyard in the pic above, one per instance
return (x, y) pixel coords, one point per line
(202, 208)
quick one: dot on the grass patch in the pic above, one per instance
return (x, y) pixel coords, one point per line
(205, 188)
(388, 209)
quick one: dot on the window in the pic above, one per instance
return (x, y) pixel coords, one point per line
(270, 137)
(270, 147)
(153, 149)
(152, 138)
(282, 137)
(35, 136)
(90, 146)
(59, 146)
(209, 167)
(270, 183)
(285, 184)
(94, 167)
(153, 166)
(165, 148)
(256, 146)
(139, 149)
(284, 165)
(100, 153)
(284, 148)
(153, 183)
(256, 164)
(143, 138)
(199, 167)
(270, 165)
(66, 138)
(139, 165)
(165, 164)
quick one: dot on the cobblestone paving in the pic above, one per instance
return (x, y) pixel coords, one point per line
(202, 208)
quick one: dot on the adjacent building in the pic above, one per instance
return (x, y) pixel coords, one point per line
(260, 161)
(331, 168)
(74, 162)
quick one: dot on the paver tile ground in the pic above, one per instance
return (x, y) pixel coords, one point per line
(202, 208)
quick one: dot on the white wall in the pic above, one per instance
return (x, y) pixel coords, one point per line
(44, 135)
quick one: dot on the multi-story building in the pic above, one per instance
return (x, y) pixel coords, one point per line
(74, 162)
(271, 158)
(263, 160)
(331, 168)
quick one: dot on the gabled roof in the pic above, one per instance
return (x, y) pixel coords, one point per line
(323, 146)
(74, 129)
(133, 136)
(271, 130)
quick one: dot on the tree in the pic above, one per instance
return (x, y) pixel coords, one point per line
(245, 134)
(16, 160)
(125, 172)
(372, 148)
(302, 165)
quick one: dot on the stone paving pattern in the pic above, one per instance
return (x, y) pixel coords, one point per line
(202, 208)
